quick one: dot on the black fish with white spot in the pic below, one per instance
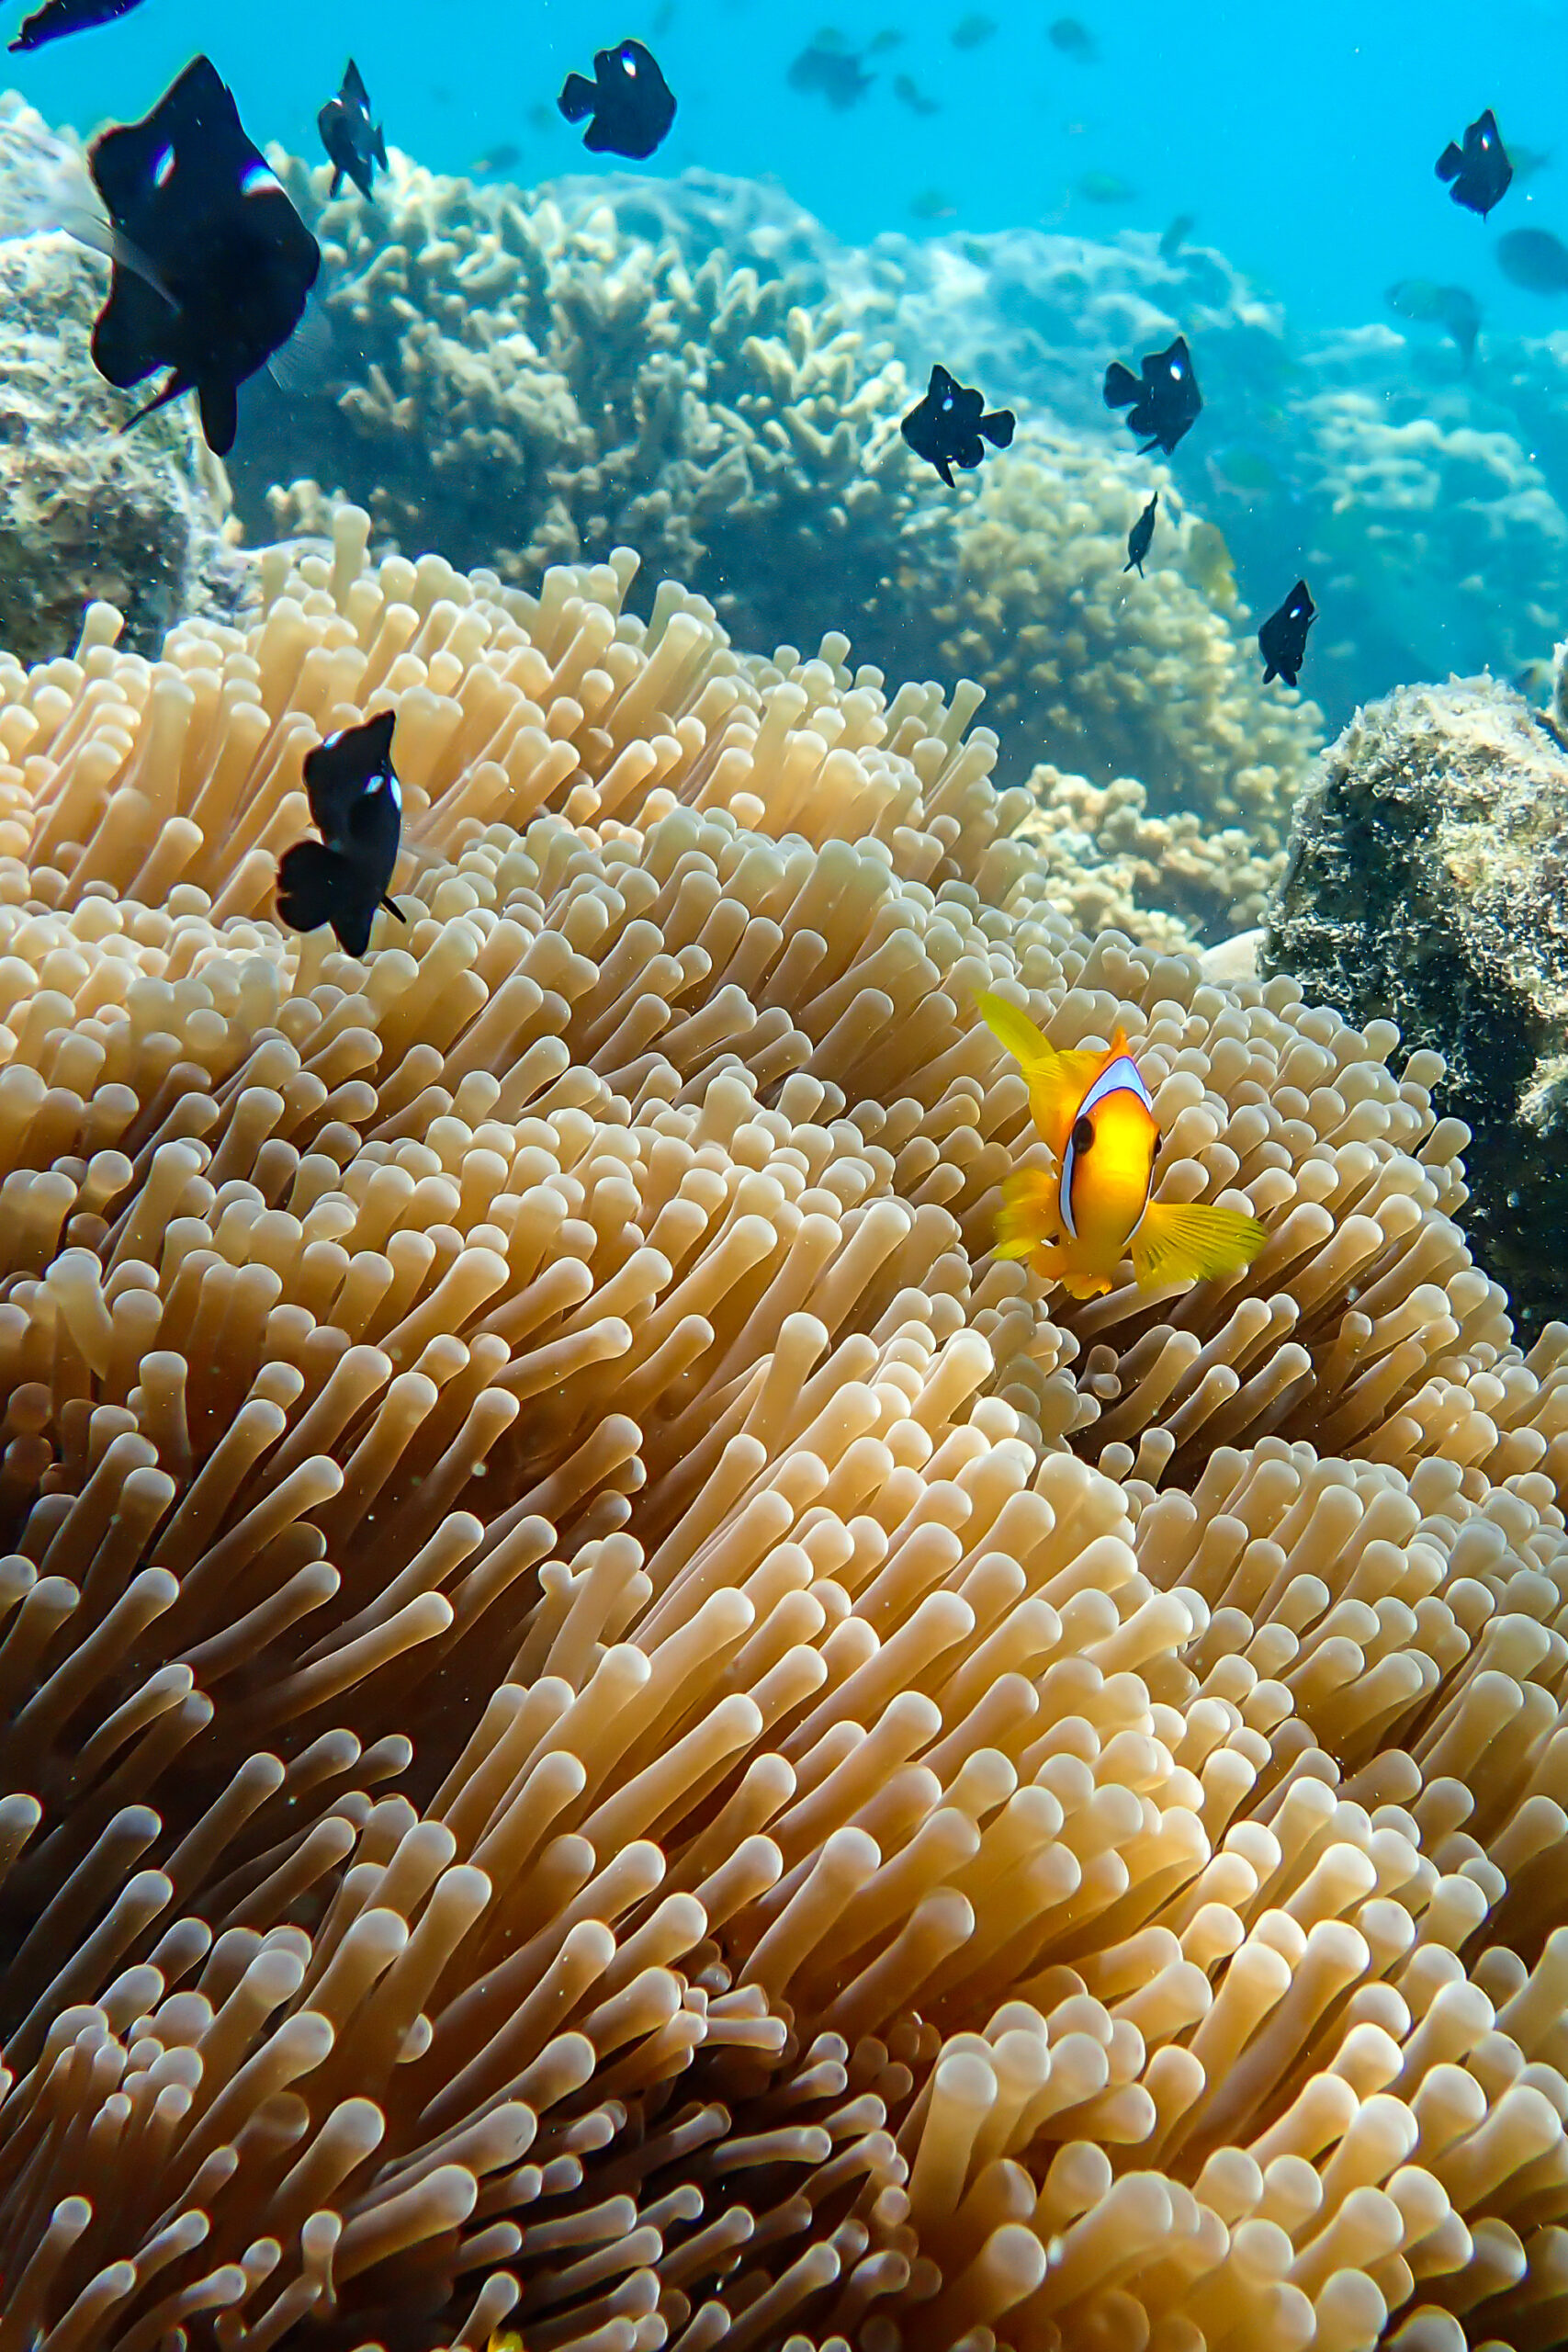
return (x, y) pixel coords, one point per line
(630, 101)
(1140, 538)
(1284, 636)
(354, 143)
(1478, 173)
(1164, 403)
(212, 265)
(950, 426)
(356, 806)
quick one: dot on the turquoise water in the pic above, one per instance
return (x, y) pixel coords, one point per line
(1303, 138)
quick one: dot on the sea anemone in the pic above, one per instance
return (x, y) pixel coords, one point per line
(610, 1728)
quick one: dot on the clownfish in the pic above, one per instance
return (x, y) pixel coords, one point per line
(1076, 1223)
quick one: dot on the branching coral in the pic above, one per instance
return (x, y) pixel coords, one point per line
(529, 380)
(924, 1825)
(1165, 881)
(1116, 675)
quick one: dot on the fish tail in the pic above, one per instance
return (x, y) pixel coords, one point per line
(1188, 1242)
(1450, 161)
(997, 427)
(1122, 387)
(378, 146)
(577, 97)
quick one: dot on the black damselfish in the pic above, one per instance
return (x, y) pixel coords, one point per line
(57, 17)
(1165, 404)
(355, 145)
(357, 808)
(950, 426)
(1283, 635)
(630, 101)
(1139, 538)
(212, 264)
(1479, 172)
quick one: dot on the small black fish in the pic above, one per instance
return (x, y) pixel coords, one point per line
(1479, 172)
(836, 75)
(356, 806)
(1284, 636)
(909, 95)
(355, 145)
(1166, 404)
(1534, 259)
(212, 265)
(947, 428)
(630, 101)
(1139, 537)
(1176, 237)
(1073, 39)
(57, 17)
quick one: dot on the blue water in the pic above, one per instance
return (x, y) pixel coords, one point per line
(1302, 137)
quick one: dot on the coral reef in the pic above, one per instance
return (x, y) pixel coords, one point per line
(1425, 882)
(1165, 881)
(609, 1725)
(1153, 679)
(538, 378)
(86, 514)
(530, 382)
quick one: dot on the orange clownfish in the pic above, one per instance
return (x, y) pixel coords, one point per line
(1076, 1223)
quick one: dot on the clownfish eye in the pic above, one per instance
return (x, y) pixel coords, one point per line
(1083, 1133)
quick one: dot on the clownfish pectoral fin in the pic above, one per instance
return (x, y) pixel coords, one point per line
(1188, 1242)
(1028, 1221)
(1057, 1081)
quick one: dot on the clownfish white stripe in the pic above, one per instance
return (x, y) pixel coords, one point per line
(1123, 1072)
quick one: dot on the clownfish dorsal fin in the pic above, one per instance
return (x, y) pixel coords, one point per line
(1057, 1080)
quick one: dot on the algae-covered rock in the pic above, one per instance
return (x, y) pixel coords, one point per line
(1426, 881)
(86, 513)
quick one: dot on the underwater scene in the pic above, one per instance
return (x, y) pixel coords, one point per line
(784, 1178)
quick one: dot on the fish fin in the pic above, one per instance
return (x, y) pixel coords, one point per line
(1028, 1220)
(310, 877)
(1057, 1081)
(577, 97)
(1450, 161)
(220, 404)
(1188, 1242)
(171, 391)
(997, 427)
(337, 182)
(393, 909)
(303, 364)
(100, 236)
(944, 468)
(353, 87)
(1122, 387)
(378, 146)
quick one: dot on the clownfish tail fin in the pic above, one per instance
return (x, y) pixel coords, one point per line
(1188, 1242)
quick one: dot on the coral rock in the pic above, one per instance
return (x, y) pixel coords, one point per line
(1425, 883)
(138, 520)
